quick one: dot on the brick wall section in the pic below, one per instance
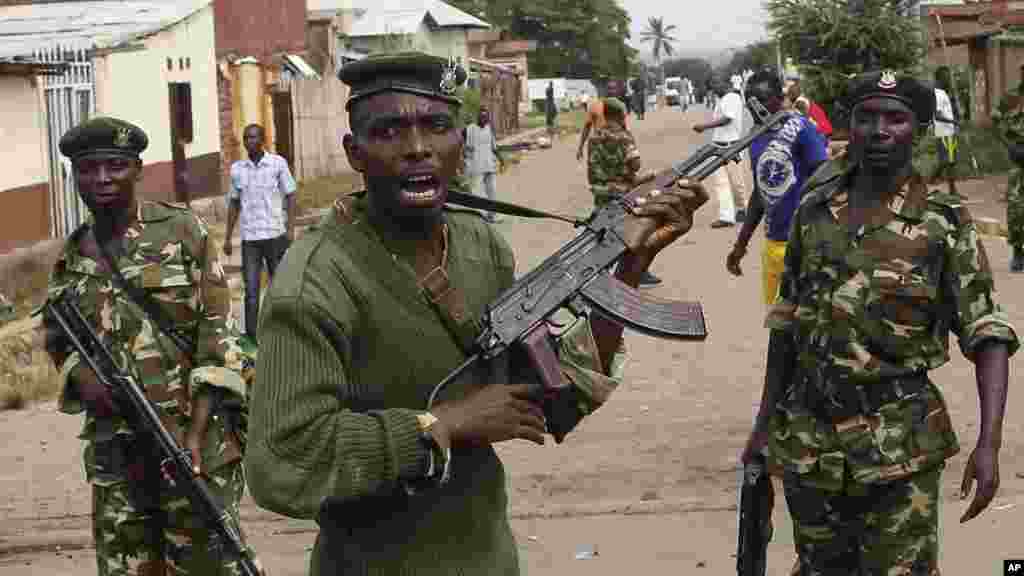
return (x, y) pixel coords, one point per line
(228, 144)
(260, 28)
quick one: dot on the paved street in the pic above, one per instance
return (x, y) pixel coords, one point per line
(648, 482)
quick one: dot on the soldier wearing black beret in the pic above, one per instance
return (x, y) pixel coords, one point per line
(878, 274)
(373, 309)
(142, 525)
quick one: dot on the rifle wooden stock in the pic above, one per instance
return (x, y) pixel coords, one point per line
(144, 418)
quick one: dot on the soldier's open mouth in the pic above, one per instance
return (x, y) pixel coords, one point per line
(420, 188)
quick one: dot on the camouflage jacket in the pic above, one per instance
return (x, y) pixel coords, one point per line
(170, 254)
(610, 169)
(882, 301)
(1008, 121)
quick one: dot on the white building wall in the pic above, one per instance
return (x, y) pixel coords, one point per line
(23, 133)
(133, 85)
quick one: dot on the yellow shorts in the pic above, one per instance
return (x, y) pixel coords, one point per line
(773, 255)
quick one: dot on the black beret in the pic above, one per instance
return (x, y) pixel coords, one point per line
(413, 72)
(103, 135)
(917, 95)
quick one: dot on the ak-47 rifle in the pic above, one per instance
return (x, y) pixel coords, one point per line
(574, 278)
(141, 413)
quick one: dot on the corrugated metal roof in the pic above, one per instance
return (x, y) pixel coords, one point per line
(382, 17)
(25, 29)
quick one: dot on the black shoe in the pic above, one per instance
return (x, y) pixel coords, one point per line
(1017, 263)
(740, 215)
(722, 224)
(649, 279)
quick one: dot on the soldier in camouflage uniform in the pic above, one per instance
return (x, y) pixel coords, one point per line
(1009, 121)
(613, 163)
(613, 159)
(141, 524)
(877, 273)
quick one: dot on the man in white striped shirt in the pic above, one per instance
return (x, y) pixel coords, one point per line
(262, 192)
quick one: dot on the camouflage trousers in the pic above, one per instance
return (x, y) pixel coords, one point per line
(867, 529)
(1015, 209)
(169, 540)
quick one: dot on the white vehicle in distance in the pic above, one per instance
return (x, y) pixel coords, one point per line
(673, 85)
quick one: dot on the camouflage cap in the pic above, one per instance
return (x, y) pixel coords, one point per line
(103, 135)
(915, 94)
(412, 72)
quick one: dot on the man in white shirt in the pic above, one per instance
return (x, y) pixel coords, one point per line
(945, 131)
(728, 182)
(262, 192)
(482, 158)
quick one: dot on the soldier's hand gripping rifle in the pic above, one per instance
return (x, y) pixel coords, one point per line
(141, 413)
(574, 278)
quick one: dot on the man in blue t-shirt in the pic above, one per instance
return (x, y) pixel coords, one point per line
(782, 159)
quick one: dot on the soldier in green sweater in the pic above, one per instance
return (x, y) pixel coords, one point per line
(376, 306)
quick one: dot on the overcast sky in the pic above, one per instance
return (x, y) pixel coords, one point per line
(702, 26)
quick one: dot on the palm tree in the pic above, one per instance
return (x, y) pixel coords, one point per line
(661, 35)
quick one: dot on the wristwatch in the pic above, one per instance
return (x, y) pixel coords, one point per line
(439, 466)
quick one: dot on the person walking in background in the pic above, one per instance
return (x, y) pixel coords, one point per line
(550, 110)
(782, 160)
(595, 113)
(811, 109)
(261, 196)
(1009, 123)
(727, 182)
(482, 158)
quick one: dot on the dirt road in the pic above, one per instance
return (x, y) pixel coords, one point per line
(649, 481)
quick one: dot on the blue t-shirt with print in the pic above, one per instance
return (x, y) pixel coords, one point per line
(782, 160)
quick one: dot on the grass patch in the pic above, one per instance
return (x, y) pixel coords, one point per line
(26, 373)
(569, 121)
(320, 193)
(24, 282)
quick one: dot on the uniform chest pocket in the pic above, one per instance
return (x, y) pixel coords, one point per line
(904, 298)
(171, 286)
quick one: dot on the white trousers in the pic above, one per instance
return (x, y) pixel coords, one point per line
(728, 184)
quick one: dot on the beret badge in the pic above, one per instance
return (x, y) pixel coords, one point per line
(449, 78)
(888, 80)
(122, 138)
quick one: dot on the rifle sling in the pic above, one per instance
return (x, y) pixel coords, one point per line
(149, 307)
(481, 203)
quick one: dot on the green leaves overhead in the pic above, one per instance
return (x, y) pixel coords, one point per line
(830, 40)
(575, 38)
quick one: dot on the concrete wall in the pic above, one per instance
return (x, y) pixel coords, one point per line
(23, 132)
(133, 85)
(24, 181)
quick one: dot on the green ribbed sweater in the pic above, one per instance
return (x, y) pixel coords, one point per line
(349, 351)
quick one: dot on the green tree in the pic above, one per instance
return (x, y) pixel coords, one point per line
(575, 38)
(660, 36)
(830, 40)
(752, 57)
(697, 70)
